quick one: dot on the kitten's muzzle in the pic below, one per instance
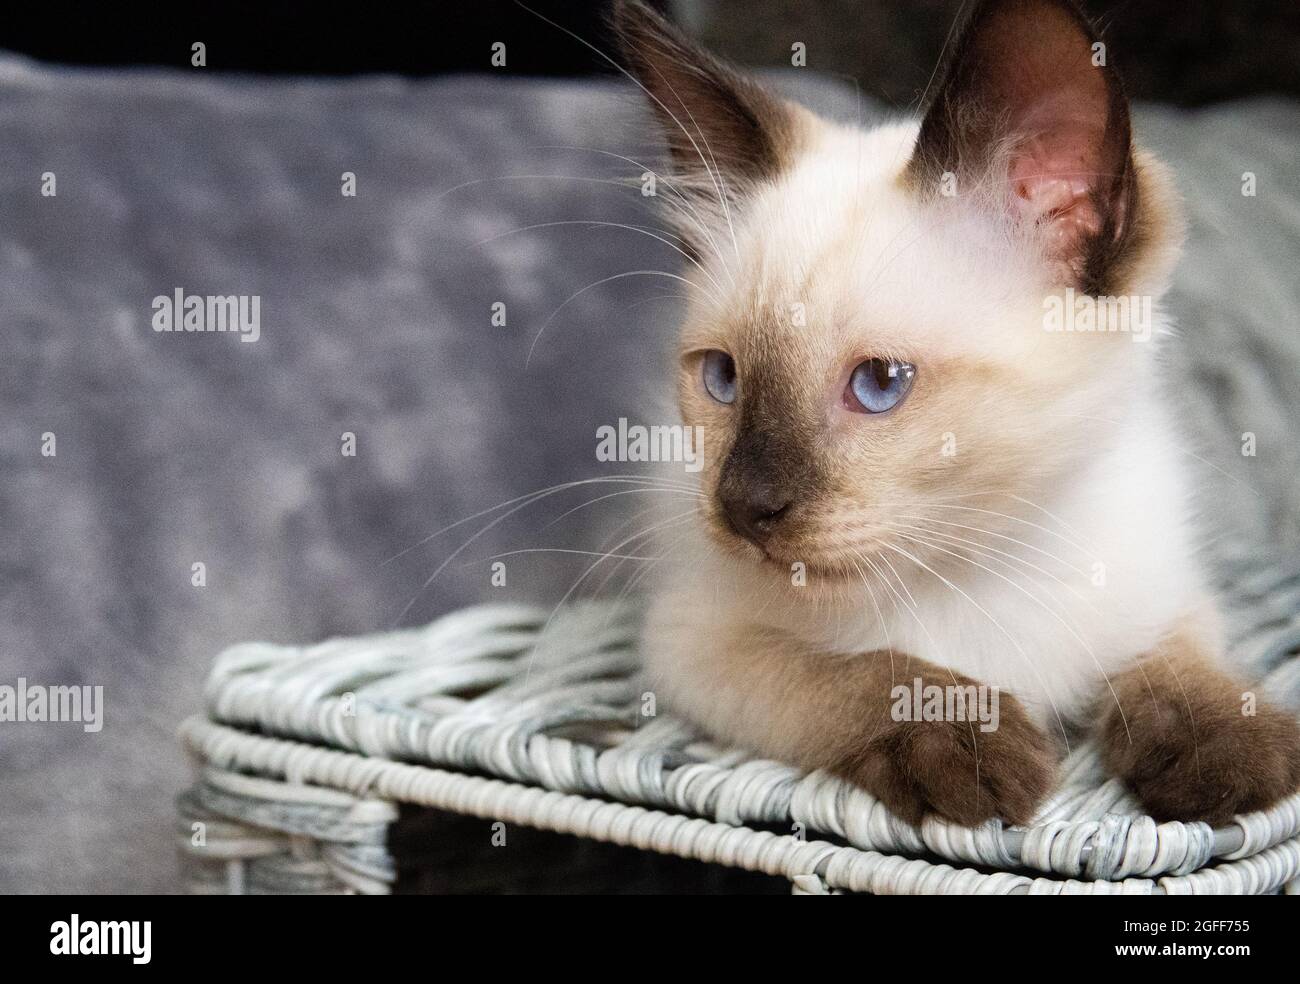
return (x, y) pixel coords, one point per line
(754, 493)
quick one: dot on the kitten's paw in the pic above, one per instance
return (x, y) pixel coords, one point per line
(1190, 753)
(954, 769)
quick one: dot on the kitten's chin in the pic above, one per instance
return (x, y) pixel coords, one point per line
(817, 572)
(800, 569)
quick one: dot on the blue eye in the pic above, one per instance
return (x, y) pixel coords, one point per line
(720, 375)
(878, 385)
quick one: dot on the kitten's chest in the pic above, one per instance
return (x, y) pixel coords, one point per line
(1051, 646)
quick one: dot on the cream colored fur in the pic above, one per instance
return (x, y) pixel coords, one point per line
(1067, 483)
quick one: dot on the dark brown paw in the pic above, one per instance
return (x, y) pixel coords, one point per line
(954, 769)
(1188, 750)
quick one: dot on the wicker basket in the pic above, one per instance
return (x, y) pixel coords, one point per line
(508, 713)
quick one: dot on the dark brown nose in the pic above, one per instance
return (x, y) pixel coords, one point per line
(756, 511)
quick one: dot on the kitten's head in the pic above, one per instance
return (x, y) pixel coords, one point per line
(870, 336)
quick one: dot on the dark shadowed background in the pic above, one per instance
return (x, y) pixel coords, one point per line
(1185, 52)
(376, 321)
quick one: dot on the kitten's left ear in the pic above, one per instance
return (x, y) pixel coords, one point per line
(725, 131)
(1030, 106)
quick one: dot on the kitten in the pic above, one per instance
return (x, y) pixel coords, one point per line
(909, 478)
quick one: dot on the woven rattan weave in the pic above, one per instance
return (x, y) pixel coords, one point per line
(537, 718)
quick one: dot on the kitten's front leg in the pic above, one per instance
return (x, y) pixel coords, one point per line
(1190, 741)
(763, 690)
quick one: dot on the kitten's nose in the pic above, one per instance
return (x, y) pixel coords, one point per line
(755, 512)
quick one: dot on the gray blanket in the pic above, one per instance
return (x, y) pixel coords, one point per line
(376, 319)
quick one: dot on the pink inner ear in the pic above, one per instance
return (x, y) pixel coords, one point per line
(1058, 103)
(1052, 184)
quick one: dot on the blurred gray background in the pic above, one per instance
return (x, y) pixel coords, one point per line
(376, 319)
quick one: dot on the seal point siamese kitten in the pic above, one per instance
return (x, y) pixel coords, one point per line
(910, 479)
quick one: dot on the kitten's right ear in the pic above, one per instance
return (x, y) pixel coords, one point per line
(1029, 105)
(725, 131)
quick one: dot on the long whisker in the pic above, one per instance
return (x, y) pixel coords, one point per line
(879, 614)
(714, 176)
(533, 496)
(455, 553)
(903, 584)
(596, 224)
(591, 179)
(1000, 536)
(605, 280)
(622, 543)
(1018, 519)
(988, 552)
(587, 573)
(920, 624)
(1028, 594)
(669, 550)
(1010, 495)
(612, 495)
(563, 550)
(646, 568)
(680, 201)
(998, 625)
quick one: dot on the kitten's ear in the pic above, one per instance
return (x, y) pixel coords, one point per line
(724, 130)
(1030, 104)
